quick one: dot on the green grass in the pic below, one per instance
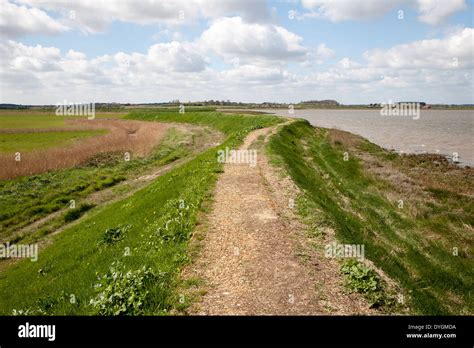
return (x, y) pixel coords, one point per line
(154, 230)
(351, 201)
(25, 142)
(34, 119)
(29, 198)
(228, 124)
(21, 119)
(75, 213)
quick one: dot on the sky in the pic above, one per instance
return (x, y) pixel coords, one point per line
(352, 51)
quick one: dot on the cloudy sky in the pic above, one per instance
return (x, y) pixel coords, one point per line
(252, 51)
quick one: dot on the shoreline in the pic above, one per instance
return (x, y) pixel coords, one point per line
(433, 135)
(411, 212)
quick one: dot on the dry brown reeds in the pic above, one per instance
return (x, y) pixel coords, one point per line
(136, 137)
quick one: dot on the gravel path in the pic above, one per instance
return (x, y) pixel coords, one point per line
(250, 258)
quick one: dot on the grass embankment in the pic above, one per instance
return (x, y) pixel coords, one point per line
(410, 212)
(29, 198)
(136, 246)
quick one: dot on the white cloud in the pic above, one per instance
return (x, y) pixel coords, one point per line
(162, 60)
(253, 73)
(437, 70)
(343, 10)
(318, 55)
(181, 57)
(252, 42)
(452, 52)
(436, 11)
(346, 63)
(94, 16)
(249, 10)
(18, 20)
(421, 70)
(324, 53)
(431, 11)
(29, 58)
(47, 75)
(74, 55)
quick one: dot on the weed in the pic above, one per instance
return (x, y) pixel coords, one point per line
(364, 280)
(75, 213)
(122, 292)
(113, 235)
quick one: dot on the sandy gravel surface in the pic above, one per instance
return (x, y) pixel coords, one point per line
(250, 258)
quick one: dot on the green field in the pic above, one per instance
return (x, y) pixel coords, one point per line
(21, 120)
(28, 119)
(25, 142)
(137, 245)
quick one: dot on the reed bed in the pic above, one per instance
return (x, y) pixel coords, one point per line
(135, 137)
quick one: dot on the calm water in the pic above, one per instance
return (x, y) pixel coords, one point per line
(436, 131)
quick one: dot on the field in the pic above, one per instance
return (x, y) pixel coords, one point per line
(32, 119)
(135, 227)
(25, 142)
(28, 151)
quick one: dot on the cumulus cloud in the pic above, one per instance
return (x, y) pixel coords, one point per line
(346, 63)
(17, 20)
(63, 73)
(180, 57)
(252, 42)
(423, 69)
(253, 73)
(436, 11)
(95, 16)
(452, 52)
(20, 57)
(430, 11)
(323, 53)
(437, 70)
(343, 10)
(318, 55)
(250, 10)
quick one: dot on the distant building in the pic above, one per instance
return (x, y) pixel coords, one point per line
(326, 102)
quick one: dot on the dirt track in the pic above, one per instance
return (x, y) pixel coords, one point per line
(249, 256)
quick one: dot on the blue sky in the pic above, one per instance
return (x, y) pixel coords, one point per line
(251, 51)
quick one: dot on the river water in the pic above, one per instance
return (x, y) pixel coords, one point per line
(445, 132)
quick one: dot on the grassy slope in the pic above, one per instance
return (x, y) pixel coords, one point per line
(29, 198)
(24, 142)
(156, 233)
(350, 200)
